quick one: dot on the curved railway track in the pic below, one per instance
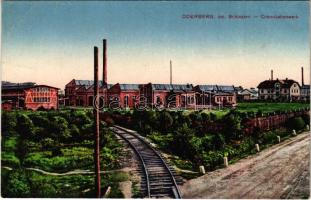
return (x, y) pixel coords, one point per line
(158, 178)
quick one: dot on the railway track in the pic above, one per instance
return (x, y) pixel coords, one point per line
(158, 179)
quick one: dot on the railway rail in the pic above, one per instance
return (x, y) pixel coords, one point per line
(158, 179)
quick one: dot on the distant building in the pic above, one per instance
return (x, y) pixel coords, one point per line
(215, 95)
(305, 93)
(305, 89)
(29, 96)
(168, 95)
(81, 92)
(7, 105)
(123, 95)
(247, 95)
(279, 90)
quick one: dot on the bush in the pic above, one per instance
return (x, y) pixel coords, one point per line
(166, 121)
(269, 138)
(8, 123)
(306, 118)
(296, 123)
(25, 127)
(9, 159)
(17, 185)
(162, 141)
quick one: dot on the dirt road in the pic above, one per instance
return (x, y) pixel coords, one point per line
(281, 171)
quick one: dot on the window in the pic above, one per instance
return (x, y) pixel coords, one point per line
(42, 99)
(158, 100)
(126, 101)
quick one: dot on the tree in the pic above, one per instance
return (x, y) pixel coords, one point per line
(166, 120)
(232, 128)
(25, 127)
(181, 141)
(8, 123)
(59, 128)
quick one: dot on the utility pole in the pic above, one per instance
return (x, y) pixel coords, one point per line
(96, 118)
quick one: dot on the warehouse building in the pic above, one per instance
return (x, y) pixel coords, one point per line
(29, 96)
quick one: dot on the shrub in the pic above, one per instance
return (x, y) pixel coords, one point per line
(17, 185)
(296, 123)
(9, 159)
(166, 120)
(25, 127)
(8, 123)
(306, 118)
(269, 138)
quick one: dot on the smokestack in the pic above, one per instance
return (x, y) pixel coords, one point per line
(104, 62)
(271, 75)
(171, 81)
(302, 81)
(96, 118)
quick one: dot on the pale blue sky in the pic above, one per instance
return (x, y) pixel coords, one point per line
(41, 38)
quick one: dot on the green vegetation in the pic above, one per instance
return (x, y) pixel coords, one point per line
(196, 138)
(54, 141)
(270, 107)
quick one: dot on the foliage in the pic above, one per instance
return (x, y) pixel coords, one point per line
(16, 185)
(54, 141)
(9, 159)
(8, 123)
(296, 123)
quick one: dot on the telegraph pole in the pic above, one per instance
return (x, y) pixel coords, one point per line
(96, 118)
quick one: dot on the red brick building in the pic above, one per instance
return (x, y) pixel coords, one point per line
(123, 95)
(30, 96)
(81, 92)
(168, 95)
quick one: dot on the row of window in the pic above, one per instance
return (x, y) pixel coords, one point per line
(219, 99)
(41, 89)
(295, 90)
(41, 99)
(272, 91)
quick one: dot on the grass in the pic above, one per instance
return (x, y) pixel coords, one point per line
(270, 107)
(255, 107)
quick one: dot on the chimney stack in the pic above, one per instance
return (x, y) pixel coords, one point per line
(271, 75)
(104, 62)
(302, 81)
(171, 81)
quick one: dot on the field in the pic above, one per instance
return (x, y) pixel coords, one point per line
(254, 107)
(270, 107)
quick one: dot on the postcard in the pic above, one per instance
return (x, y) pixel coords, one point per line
(155, 99)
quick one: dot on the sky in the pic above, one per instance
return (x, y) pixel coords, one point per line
(52, 42)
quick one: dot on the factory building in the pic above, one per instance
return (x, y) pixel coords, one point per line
(29, 96)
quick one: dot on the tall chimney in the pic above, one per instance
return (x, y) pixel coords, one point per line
(302, 82)
(171, 81)
(271, 75)
(104, 62)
